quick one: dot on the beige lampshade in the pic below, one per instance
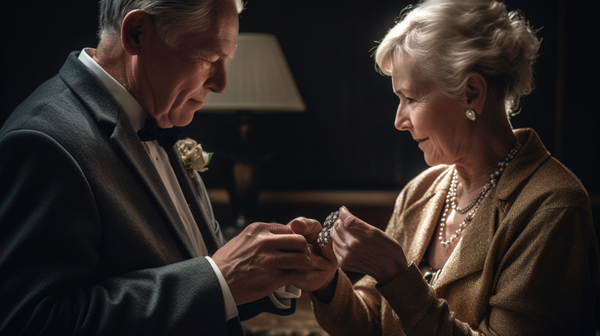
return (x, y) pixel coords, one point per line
(258, 79)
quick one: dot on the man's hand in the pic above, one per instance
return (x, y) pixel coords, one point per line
(263, 258)
(318, 277)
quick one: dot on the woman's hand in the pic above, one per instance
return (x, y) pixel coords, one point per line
(363, 248)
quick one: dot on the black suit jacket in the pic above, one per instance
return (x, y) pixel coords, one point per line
(90, 242)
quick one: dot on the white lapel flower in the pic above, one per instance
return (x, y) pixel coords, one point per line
(192, 156)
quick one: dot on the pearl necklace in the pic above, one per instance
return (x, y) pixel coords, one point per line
(474, 205)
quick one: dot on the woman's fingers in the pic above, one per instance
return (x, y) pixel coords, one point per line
(361, 247)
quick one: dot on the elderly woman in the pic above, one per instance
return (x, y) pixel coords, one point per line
(496, 238)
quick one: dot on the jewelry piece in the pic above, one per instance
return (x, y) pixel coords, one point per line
(327, 224)
(471, 114)
(474, 205)
(432, 276)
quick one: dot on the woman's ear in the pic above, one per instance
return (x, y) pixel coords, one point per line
(136, 26)
(476, 92)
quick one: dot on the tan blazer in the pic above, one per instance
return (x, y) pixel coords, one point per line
(527, 264)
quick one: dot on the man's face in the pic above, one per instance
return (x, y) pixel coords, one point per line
(174, 82)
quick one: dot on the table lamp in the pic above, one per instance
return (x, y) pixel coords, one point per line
(258, 81)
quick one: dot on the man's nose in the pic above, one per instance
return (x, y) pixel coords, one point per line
(217, 82)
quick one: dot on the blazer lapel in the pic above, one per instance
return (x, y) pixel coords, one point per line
(431, 210)
(425, 230)
(202, 215)
(469, 255)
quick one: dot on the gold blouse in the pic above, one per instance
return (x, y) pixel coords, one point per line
(528, 264)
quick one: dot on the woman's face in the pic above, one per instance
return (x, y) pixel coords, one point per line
(434, 120)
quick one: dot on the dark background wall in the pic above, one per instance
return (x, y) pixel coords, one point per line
(346, 138)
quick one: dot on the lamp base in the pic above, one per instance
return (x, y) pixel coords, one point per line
(241, 222)
(238, 226)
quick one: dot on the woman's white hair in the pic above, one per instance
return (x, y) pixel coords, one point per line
(171, 17)
(451, 39)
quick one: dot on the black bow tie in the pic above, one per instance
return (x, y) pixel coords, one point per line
(166, 137)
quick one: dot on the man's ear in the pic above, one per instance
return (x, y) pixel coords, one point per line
(476, 92)
(137, 26)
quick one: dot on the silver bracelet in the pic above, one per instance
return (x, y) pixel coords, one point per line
(324, 235)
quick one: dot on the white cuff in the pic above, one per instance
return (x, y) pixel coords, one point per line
(282, 298)
(230, 306)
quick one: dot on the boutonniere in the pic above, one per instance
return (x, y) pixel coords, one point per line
(192, 156)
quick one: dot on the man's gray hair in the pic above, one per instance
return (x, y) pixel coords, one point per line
(171, 17)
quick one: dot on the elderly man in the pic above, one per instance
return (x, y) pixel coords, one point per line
(102, 231)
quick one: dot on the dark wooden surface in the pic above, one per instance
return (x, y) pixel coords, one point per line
(301, 323)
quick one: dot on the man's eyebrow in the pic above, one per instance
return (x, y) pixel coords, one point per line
(218, 52)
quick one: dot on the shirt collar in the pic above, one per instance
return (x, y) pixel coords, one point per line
(133, 110)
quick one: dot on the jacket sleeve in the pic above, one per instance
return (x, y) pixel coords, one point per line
(354, 310)
(351, 311)
(50, 231)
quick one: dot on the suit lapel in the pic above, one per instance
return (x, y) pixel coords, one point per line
(202, 216)
(109, 117)
(129, 145)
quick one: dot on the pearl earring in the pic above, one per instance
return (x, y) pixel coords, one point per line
(471, 114)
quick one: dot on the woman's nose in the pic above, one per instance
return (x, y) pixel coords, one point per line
(402, 121)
